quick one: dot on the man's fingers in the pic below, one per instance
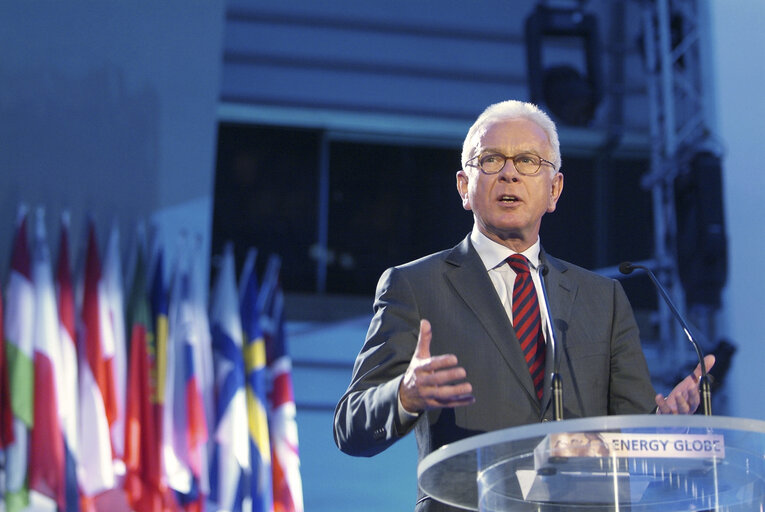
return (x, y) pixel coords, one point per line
(709, 362)
(661, 404)
(451, 395)
(422, 350)
(439, 363)
(456, 402)
(681, 404)
(668, 405)
(443, 389)
(694, 399)
(443, 377)
(684, 399)
(442, 383)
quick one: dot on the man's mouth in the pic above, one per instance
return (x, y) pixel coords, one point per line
(508, 198)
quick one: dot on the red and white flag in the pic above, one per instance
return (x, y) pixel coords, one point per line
(69, 408)
(185, 434)
(285, 459)
(98, 404)
(112, 310)
(47, 458)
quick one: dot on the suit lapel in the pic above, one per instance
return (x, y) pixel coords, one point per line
(471, 281)
(561, 293)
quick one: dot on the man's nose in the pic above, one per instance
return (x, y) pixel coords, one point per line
(509, 172)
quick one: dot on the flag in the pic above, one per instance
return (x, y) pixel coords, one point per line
(98, 407)
(231, 445)
(203, 362)
(256, 391)
(159, 352)
(6, 412)
(203, 352)
(158, 301)
(112, 311)
(68, 409)
(143, 484)
(185, 433)
(287, 483)
(47, 470)
(19, 334)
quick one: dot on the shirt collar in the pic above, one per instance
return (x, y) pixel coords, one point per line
(493, 254)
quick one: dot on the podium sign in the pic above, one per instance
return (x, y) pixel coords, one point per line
(626, 463)
(622, 445)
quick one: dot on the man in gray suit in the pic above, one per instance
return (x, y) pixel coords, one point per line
(442, 355)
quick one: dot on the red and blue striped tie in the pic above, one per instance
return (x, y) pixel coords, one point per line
(527, 321)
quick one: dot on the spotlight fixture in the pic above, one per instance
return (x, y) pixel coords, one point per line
(572, 95)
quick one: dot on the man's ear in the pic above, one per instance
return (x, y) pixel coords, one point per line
(555, 191)
(462, 188)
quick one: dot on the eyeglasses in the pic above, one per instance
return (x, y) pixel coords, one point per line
(526, 163)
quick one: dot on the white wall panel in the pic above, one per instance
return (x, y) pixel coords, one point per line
(438, 59)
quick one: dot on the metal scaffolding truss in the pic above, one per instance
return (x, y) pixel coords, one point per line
(674, 46)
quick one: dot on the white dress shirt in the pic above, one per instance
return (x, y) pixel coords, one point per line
(502, 276)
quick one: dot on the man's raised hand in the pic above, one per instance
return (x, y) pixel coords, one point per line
(431, 382)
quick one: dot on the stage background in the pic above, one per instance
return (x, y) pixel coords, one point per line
(111, 109)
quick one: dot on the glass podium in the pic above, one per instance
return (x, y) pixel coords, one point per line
(636, 463)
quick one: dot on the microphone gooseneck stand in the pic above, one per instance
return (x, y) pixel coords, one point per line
(706, 389)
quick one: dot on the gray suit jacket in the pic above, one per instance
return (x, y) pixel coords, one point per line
(602, 366)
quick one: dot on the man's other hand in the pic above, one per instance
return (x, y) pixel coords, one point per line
(684, 399)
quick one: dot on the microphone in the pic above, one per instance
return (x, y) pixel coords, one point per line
(706, 393)
(555, 381)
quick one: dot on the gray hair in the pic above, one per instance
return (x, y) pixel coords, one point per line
(512, 109)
